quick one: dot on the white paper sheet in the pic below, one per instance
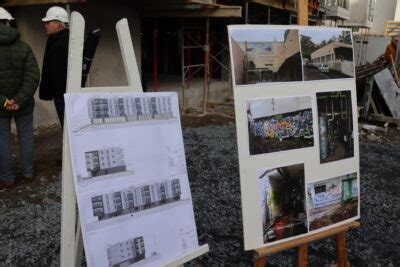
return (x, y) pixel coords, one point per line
(130, 177)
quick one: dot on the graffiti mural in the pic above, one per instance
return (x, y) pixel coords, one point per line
(299, 125)
(281, 132)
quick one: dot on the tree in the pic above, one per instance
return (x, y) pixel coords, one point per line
(345, 37)
(307, 46)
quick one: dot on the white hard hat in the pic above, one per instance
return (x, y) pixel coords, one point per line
(4, 15)
(56, 13)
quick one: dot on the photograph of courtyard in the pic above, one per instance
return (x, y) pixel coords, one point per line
(283, 202)
(326, 54)
(266, 55)
(333, 200)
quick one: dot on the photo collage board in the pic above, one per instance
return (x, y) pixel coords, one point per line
(129, 169)
(297, 131)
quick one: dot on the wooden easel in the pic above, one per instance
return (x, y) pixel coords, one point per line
(260, 254)
(71, 236)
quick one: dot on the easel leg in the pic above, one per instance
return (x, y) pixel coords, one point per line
(302, 255)
(260, 262)
(341, 250)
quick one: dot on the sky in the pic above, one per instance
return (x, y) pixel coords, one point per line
(258, 35)
(317, 35)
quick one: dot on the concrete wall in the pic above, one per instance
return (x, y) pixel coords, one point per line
(376, 46)
(273, 106)
(382, 13)
(238, 64)
(358, 12)
(107, 68)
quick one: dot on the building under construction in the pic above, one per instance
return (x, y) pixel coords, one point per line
(180, 45)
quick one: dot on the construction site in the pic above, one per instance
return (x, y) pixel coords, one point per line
(183, 46)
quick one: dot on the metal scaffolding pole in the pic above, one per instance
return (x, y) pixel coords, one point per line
(206, 64)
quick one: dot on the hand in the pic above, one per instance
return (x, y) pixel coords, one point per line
(12, 105)
(9, 103)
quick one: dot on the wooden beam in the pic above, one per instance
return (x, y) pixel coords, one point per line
(38, 2)
(302, 12)
(383, 118)
(219, 12)
(262, 252)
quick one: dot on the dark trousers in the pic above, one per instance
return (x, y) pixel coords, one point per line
(25, 139)
(60, 107)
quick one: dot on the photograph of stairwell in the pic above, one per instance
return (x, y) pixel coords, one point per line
(283, 202)
(279, 124)
(265, 55)
(332, 200)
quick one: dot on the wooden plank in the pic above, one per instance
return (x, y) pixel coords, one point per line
(341, 250)
(262, 252)
(302, 255)
(302, 12)
(260, 262)
(220, 12)
(68, 204)
(38, 2)
(383, 118)
(274, 4)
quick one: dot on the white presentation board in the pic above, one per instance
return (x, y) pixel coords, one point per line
(130, 178)
(296, 120)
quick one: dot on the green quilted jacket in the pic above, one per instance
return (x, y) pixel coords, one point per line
(19, 73)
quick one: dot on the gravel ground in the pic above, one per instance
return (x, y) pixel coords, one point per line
(30, 213)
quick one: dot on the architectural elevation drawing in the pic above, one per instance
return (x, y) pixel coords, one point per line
(131, 251)
(127, 109)
(129, 169)
(103, 162)
(136, 199)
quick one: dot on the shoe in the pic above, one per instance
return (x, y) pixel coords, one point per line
(6, 184)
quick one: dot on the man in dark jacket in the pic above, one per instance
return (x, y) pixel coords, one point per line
(55, 61)
(19, 78)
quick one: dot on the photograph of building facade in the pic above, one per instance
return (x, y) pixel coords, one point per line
(104, 161)
(283, 202)
(126, 252)
(327, 54)
(136, 199)
(117, 110)
(279, 124)
(333, 200)
(335, 121)
(266, 55)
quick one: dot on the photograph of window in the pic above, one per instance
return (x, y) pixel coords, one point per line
(333, 200)
(265, 55)
(335, 121)
(279, 124)
(283, 202)
(326, 54)
(136, 199)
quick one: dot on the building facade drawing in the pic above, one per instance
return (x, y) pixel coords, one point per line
(127, 109)
(105, 161)
(126, 252)
(136, 199)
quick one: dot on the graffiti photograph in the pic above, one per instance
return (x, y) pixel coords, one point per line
(335, 122)
(333, 200)
(279, 124)
(266, 55)
(283, 202)
(326, 54)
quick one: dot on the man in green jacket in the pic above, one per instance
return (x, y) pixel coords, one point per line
(19, 78)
